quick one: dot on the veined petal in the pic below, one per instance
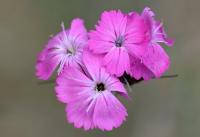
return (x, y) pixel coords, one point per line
(156, 60)
(117, 61)
(45, 68)
(156, 29)
(93, 64)
(71, 83)
(118, 87)
(136, 50)
(78, 30)
(139, 70)
(136, 29)
(99, 44)
(109, 113)
(77, 114)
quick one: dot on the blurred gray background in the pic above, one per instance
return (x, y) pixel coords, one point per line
(159, 108)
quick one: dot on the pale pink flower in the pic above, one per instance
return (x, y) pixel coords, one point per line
(90, 96)
(117, 37)
(64, 49)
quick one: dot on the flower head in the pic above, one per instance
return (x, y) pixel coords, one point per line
(90, 95)
(154, 61)
(117, 37)
(64, 49)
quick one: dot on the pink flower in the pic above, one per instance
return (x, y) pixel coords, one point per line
(64, 49)
(117, 36)
(154, 61)
(90, 95)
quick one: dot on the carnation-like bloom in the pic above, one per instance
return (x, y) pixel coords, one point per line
(155, 60)
(90, 96)
(64, 49)
(117, 37)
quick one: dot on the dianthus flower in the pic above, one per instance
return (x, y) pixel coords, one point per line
(64, 49)
(90, 95)
(117, 37)
(154, 61)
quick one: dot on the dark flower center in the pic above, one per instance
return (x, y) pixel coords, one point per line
(100, 87)
(119, 41)
(69, 52)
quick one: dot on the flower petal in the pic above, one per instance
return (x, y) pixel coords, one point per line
(116, 61)
(45, 67)
(97, 44)
(156, 60)
(78, 31)
(93, 64)
(70, 84)
(139, 70)
(136, 29)
(156, 28)
(109, 113)
(77, 113)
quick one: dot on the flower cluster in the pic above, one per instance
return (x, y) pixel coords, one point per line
(90, 64)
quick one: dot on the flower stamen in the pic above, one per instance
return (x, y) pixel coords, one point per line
(119, 41)
(100, 87)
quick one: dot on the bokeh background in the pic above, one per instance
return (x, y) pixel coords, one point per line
(159, 108)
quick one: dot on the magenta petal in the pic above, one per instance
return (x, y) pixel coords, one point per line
(169, 42)
(78, 30)
(156, 28)
(97, 44)
(148, 16)
(114, 21)
(77, 113)
(148, 12)
(118, 87)
(139, 70)
(109, 113)
(45, 68)
(135, 30)
(117, 61)
(156, 60)
(136, 37)
(136, 50)
(48, 60)
(70, 84)
(92, 63)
